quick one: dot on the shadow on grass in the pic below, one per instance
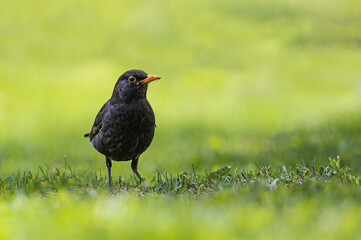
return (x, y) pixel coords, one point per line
(177, 148)
(340, 137)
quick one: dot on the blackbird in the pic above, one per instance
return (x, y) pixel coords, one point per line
(124, 127)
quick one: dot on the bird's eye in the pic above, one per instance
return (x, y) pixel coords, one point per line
(132, 79)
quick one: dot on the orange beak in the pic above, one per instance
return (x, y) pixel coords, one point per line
(149, 79)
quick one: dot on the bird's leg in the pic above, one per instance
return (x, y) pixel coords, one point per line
(109, 166)
(135, 168)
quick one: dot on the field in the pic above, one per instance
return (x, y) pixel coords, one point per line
(258, 118)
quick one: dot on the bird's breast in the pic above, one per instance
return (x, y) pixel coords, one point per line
(134, 115)
(129, 130)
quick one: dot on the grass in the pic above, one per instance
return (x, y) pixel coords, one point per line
(261, 203)
(272, 88)
(331, 212)
(48, 181)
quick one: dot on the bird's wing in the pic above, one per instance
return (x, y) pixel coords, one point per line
(98, 123)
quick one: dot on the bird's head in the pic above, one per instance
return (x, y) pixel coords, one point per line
(132, 85)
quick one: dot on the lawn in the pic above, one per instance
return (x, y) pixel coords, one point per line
(265, 203)
(259, 86)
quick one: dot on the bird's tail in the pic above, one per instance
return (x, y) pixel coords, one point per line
(86, 135)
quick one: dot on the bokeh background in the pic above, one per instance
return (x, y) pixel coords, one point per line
(243, 82)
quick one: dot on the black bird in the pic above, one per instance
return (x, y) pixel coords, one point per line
(124, 127)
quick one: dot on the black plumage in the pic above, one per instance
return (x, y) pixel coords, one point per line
(124, 127)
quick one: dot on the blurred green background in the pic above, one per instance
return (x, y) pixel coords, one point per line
(243, 82)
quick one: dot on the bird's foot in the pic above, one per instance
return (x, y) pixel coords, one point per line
(114, 191)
